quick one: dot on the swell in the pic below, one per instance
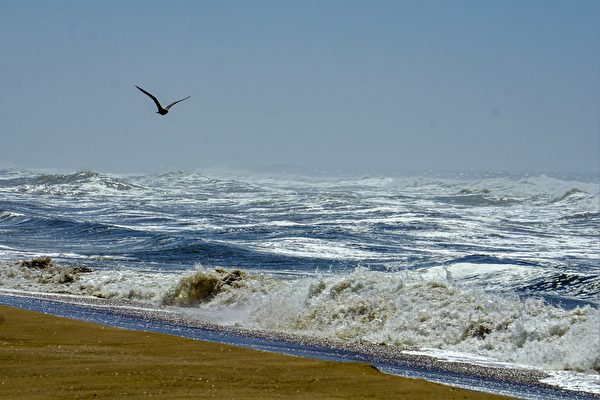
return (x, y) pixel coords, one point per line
(464, 198)
(35, 233)
(65, 183)
(61, 228)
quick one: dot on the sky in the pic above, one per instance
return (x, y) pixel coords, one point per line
(486, 85)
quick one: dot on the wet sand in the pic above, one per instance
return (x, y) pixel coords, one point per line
(48, 357)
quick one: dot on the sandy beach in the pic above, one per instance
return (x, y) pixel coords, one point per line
(48, 357)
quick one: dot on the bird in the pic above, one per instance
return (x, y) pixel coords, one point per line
(161, 110)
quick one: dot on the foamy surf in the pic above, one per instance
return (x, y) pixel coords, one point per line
(410, 310)
(568, 380)
(407, 310)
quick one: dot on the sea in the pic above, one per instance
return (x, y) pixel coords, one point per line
(485, 267)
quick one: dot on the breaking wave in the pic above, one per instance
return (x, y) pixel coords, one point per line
(404, 309)
(66, 184)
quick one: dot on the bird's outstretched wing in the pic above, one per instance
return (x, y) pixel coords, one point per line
(152, 97)
(175, 102)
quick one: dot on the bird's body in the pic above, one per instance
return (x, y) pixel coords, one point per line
(161, 110)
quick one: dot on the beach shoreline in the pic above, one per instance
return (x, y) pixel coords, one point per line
(79, 359)
(506, 380)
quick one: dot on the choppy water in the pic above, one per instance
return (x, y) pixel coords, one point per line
(500, 266)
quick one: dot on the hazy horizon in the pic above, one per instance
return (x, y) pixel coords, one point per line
(386, 85)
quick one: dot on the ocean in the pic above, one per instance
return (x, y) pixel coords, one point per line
(493, 268)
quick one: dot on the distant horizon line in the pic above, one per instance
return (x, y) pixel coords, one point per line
(305, 170)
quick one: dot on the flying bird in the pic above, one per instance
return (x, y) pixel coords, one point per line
(161, 110)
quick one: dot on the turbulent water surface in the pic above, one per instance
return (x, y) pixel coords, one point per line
(496, 267)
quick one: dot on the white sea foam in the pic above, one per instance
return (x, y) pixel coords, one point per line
(9, 214)
(574, 381)
(312, 248)
(458, 357)
(127, 284)
(485, 276)
(569, 380)
(408, 311)
(120, 284)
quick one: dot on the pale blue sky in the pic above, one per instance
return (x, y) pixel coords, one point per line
(474, 85)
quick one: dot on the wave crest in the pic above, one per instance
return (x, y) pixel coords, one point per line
(65, 184)
(405, 309)
(408, 311)
(203, 286)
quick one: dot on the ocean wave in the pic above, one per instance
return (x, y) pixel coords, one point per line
(583, 216)
(467, 198)
(136, 285)
(567, 284)
(573, 194)
(405, 309)
(67, 184)
(514, 191)
(67, 229)
(185, 180)
(203, 286)
(6, 216)
(320, 193)
(314, 248)
(472, 190)
(519, 276)
(532, 186)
